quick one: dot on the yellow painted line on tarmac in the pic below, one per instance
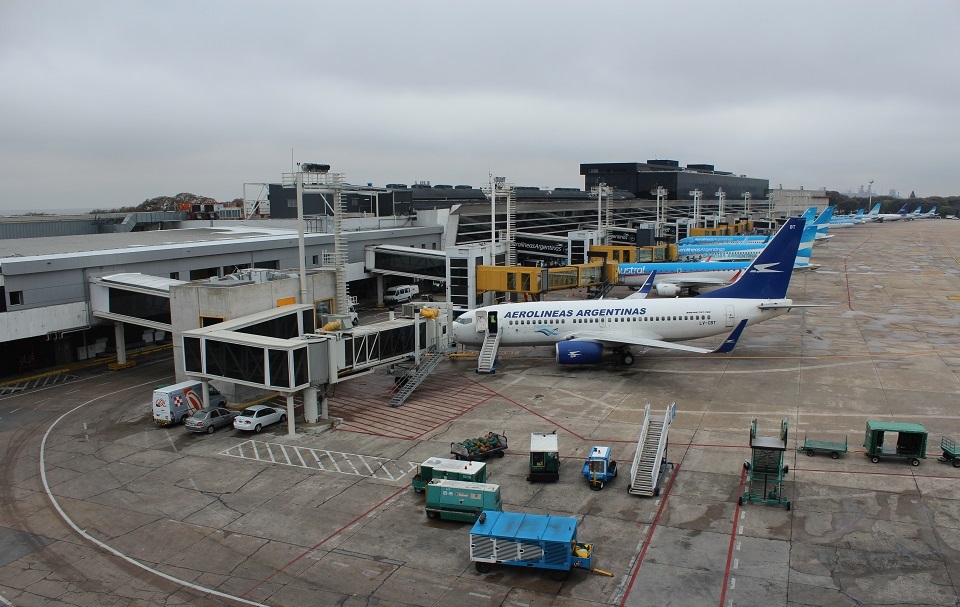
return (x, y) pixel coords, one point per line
(944, 242)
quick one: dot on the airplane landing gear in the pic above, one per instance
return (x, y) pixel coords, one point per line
(626, 357)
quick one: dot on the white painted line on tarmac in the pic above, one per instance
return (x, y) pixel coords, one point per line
(72, 392)
(740, 530)
(736, 563)
(339, 564)
(738, 544)
(5, 601)
(442, 587)
(169, 438)
(482, 596)
(733, 583)
(102, 545)
(371, 466)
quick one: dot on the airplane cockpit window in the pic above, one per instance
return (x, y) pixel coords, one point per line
(464, 319)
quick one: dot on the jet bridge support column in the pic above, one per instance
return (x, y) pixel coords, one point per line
(310, 414)
(324, 403)
(121, 344)
(291, 423)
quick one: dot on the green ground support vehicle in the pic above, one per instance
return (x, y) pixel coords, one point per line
(951, 452)
(893, 439)
(765, 470)
(437, 468)
(544, 458)
(461, 501)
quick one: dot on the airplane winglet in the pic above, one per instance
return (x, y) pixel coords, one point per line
(645, 289)
(731, 341)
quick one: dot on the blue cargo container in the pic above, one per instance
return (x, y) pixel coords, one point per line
(539, 541)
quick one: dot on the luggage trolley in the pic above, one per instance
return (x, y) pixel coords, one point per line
(765, 470)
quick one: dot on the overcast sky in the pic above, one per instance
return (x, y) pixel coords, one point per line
(106, 104)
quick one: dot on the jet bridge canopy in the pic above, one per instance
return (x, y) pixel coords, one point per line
(426, 264)
(138, 299)
(279, 350)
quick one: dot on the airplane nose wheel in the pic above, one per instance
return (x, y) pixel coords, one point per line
(626, 358)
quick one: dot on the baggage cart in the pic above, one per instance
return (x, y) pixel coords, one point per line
(951, 452)
(599, 468)
(480, 448)
(892, 439)
(539, 541)
(823, 446)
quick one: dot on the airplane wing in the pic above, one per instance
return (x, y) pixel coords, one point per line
(700, 282)
(727, 345)
(789, 306)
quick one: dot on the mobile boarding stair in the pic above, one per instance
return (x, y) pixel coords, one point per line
(765, 470)
(650, 460)
(429, 359)
(487, 361)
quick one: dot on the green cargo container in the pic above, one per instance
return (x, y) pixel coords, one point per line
(461, 501)
(438, 468)
(890, 439)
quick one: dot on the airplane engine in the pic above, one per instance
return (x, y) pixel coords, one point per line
(665, 289)
(579, 352)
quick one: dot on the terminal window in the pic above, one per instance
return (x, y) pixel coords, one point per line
(16, 298)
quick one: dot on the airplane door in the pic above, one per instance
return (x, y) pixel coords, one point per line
(492, 322)
(481, 321)
(731, 316)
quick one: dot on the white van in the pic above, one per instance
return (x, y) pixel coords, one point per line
(174, 404)
(400, 294)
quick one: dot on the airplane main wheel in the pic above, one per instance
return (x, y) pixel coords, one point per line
(627, 358)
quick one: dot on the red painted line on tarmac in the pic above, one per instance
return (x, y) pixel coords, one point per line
(733, 539)
(846, 278)
(543, 417)
(453, 418)
(649, 538)
(323, 541)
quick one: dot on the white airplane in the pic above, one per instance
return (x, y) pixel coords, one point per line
(929, 214)
(581, 330)
(901, 214)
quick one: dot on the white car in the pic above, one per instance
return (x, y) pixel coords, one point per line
(256, 417)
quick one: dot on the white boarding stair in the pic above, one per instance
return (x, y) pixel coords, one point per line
(487, 361)
(650, 458)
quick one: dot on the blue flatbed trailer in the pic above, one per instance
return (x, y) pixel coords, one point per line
(539, 541)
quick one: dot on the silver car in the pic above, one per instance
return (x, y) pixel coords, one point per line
(209, 420)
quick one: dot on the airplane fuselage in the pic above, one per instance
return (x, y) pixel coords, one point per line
(545, 323)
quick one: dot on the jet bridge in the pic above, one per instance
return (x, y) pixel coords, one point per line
(279, 350)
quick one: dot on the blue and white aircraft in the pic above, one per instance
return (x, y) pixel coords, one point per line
(929, 214)
(744, 251)
(901, 214)
(581, 330)
(809, 216)
(846, 221)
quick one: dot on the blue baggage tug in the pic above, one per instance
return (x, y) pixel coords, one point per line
(539, 541)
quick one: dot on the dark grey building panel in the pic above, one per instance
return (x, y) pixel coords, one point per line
(642, 179)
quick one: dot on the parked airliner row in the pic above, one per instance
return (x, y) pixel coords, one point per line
(581, 330)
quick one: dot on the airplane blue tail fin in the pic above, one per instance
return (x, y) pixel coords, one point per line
(904, 209)
(876, 209)
(825, 217)
(768, 276)
(810, 214)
